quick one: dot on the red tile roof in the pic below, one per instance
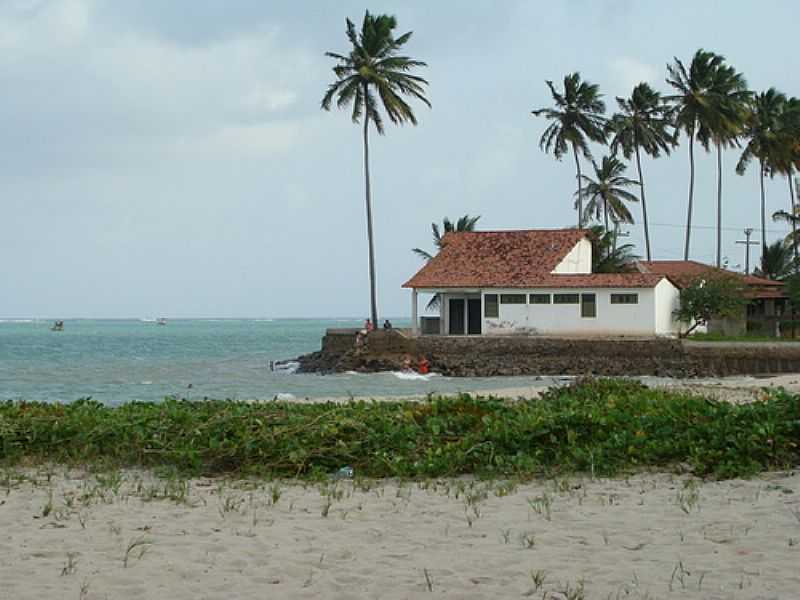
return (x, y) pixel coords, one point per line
(683, 272)
(514, 259)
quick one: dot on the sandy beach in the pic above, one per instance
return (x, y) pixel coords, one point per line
(129, 536)
(729, 389)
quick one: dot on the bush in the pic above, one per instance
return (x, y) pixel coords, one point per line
(605, 426)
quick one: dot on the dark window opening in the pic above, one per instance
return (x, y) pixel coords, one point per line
(540, 298)
(588, 306)
(490, 308)
(624, 298)
(565, 298)
(512, 298)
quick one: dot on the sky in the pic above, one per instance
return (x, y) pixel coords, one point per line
(171, 158)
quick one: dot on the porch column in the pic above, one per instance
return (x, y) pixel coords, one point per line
(414, 318)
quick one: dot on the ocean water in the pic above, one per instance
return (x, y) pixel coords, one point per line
(116, 361)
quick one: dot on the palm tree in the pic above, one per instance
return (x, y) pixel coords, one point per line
(787, 152)
(777, 261)
(576, 119)
(642, 123)
(465, 223)
(607, 257)
(607, 195)
(762, 131)
(722, 125)
(694, 106)
(372, 75)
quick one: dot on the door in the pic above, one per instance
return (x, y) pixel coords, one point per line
(588, 306)
(456, 320)
(474, 316)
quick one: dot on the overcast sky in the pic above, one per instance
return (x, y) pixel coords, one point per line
(170, 158)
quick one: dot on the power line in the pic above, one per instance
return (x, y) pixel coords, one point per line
(714, 227)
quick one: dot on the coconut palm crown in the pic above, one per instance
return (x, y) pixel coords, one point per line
(607, 194)
(577, 118)
(762, 130)
(374, 76)
(643, 123)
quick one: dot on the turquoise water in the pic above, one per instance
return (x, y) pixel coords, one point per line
(117, 361)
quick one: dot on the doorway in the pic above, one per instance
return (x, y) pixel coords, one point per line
(456, 316)
(474, 316)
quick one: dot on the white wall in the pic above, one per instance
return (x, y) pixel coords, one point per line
(565, 319)
(667, 300)
(577, 260)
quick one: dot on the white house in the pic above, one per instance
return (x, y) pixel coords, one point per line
(539, 282)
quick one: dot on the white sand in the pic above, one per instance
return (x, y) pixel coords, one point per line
(652, 536)
(733, 389)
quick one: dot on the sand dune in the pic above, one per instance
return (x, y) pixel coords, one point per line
(649, 536)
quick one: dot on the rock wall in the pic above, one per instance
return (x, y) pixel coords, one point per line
(526, 355)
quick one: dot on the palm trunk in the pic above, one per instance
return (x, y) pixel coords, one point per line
(763, 209)
(691, 194)
(605, 213)
(794, 216)
(719, 205)
(644, 204)
(372, 294)
(580, 199)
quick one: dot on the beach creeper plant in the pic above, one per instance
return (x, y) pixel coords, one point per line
(605, 426)
(374, 75)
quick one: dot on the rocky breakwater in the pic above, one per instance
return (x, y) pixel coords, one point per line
(380, 350)
(518, 355)
(490, 356)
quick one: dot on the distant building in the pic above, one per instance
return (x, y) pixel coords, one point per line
(539, 282)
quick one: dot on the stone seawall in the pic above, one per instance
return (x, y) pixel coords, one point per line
(461, 356)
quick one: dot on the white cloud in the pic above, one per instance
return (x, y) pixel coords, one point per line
(628, 72)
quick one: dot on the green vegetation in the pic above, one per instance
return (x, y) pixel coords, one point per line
(603, 427)
(719, 337)
(706, 298)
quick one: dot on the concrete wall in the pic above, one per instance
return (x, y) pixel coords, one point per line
(577, 260)
(565, 319)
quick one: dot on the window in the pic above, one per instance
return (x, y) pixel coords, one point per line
(588, 306)
(512, 298)
(540, 298)
(624, 298)
(565, 298)
(490, 309)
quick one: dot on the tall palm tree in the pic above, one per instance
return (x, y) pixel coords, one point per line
(642, 123)
(465, 223)
(577, 118)
(694, 106)
(724, 119)
(762, 131)
(786, 157)
(373, 75)
(606, 195)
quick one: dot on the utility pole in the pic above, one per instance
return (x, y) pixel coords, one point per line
(747, 243)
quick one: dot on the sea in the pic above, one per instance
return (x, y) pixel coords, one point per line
(115, 361)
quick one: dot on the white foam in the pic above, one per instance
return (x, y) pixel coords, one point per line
(287, 367)
(16, 320)
(145, 383)
(285, 396)
(147, 320)
(413, 375)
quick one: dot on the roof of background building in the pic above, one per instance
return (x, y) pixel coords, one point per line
(683, 272)
(515, 259)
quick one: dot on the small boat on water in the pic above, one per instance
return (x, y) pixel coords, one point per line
(161, 321)
(57, 326)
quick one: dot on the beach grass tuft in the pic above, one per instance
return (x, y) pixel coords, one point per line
(603, 427)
